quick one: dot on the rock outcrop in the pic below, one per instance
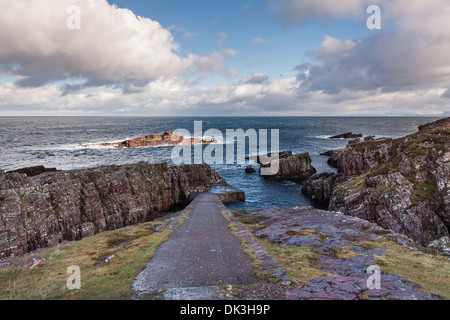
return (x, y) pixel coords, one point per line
(168, 138)
(320, 187)
(34, 171)
(400, 184)
(340, 249)
(291, 167)
(348, 135)
(44, 210)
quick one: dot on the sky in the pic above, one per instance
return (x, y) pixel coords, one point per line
(224, 58)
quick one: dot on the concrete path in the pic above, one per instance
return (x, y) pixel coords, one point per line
(199, 256)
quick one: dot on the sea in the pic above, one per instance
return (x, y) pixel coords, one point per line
(69, 143)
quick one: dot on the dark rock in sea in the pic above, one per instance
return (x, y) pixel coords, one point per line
(250, 170)
(34, 171)
(320, 187)
(42, 211)
(169, 138)
(400, 184)
(348, 135)
(292, 168)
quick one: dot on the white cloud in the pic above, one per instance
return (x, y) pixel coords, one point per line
(258, 41)
(413, 55)
(113, 45)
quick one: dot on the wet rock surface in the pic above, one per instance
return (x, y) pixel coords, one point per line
(45, 210)
(330, 235)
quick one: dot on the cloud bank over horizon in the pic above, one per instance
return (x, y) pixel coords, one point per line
(121, 63)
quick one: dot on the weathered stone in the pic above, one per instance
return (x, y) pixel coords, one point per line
(326, 234)
(400, 184)
(354, 141)
(34, 171)
(249, 170)
(169, 138)
(227, 193)
(348, 135)
(294, 168)
(441, 245)
(320, 187)
(33, 263)
(44, 210)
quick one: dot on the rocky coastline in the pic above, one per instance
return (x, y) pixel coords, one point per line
(400, 184)
(44, 210)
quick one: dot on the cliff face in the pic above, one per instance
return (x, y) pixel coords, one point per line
(401, 184)
(42, 211)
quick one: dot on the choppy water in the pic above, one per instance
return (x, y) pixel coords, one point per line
(55, 142)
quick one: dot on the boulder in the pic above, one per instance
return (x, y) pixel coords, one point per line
(293, 168)
(250, 170)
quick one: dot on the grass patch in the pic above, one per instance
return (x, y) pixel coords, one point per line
(342, 253)
(300, 263)
(98, 281)
(253, 220)
(432, 272)
(303, 233)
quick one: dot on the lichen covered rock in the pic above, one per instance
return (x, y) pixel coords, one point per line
(400, 184)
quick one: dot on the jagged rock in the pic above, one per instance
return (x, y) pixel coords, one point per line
(441, 245)
(332, 157)
(348, 135)
(34, 171)
(169, 138)
(42, 211)
(320, 187)
(293, 168)
(400, 184)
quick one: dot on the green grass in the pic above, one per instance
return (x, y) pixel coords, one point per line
(432, 272)
(98, 280)
(300, 263)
